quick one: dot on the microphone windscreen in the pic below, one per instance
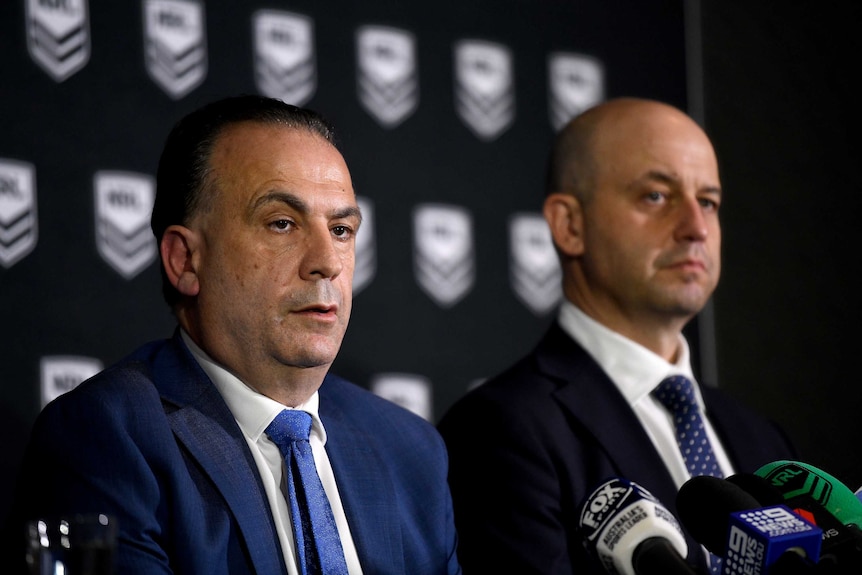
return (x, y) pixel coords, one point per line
(704, 505)
(795, 479)
(758, 487)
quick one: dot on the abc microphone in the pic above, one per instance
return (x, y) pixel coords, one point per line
(631, 533)
(751, 538)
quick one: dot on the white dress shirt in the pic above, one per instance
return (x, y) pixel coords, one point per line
(636, 371)
(254, 412)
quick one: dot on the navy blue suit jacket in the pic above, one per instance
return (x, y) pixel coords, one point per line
(152, 442)
(529, 445)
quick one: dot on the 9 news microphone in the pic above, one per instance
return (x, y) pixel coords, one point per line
(751, 538)
(631, 533)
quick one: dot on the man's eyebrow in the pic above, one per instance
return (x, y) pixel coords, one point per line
(276, 196)
(666, 178)
(298, 204)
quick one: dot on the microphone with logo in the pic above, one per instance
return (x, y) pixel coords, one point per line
(751, 538)
(828, 503)
(631, 533)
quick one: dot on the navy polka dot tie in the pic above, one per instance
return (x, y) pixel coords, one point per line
(318, 546)
(676, 393)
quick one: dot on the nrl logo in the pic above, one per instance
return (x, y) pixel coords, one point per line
(62, 373)
(412, 392)
(443, 244)
(534, 267)
(366, 247)
(576, 83)
(58, 36)
(387, 79)
(175, 45)
(484, 87)
(124, 202)
(18, 223)
(284, 62)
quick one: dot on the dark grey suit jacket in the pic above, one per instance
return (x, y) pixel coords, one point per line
(529, 445)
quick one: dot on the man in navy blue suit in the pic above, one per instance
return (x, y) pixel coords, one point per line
(256, 218)
(632, 203)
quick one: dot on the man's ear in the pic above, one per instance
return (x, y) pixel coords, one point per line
(565, 218)
(178, 249)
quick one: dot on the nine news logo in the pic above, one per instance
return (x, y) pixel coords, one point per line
(758, 537)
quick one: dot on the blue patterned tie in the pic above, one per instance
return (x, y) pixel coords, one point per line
(318, 546)
(676, 393)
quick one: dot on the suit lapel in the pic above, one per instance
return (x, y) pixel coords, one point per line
(367, 496)
(204, 425)
(591, 397)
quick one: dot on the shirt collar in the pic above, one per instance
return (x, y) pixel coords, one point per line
(634, 369)
(253, 411)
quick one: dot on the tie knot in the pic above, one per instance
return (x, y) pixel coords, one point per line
(289, 425)
(676, 393)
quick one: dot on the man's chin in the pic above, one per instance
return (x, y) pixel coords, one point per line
(313, 356)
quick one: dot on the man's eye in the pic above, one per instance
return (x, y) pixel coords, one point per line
(709, 204)
(281, 224)
(342, 231)
(655, 196)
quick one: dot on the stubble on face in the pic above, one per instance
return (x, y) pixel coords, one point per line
(276, 274)
(651, 244)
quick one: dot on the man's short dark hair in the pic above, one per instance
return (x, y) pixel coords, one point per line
(184, 166)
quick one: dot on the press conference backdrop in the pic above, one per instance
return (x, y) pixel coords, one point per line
(445, 112)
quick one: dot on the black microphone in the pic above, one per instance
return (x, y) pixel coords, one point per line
(631, 533)
(749, 537)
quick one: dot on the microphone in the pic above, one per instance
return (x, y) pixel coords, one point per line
(795, 479)
(631, 533)
(751, 538)
(829, 504)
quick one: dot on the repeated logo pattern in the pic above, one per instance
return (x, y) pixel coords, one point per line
(484, 87)
(576, 82)
(18, 222)
(387, 77)
(366, 247)
(410, 391)
(175, 44)
(284, 65)
(124, 202)
(284, 62)
(61, 373)
(534, 268)
(443, 252)
(58, 36)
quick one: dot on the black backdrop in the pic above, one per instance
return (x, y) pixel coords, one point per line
(63, 299)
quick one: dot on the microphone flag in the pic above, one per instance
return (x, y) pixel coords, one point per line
(758, 537)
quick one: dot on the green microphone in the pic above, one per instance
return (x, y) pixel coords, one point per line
(797, 480)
